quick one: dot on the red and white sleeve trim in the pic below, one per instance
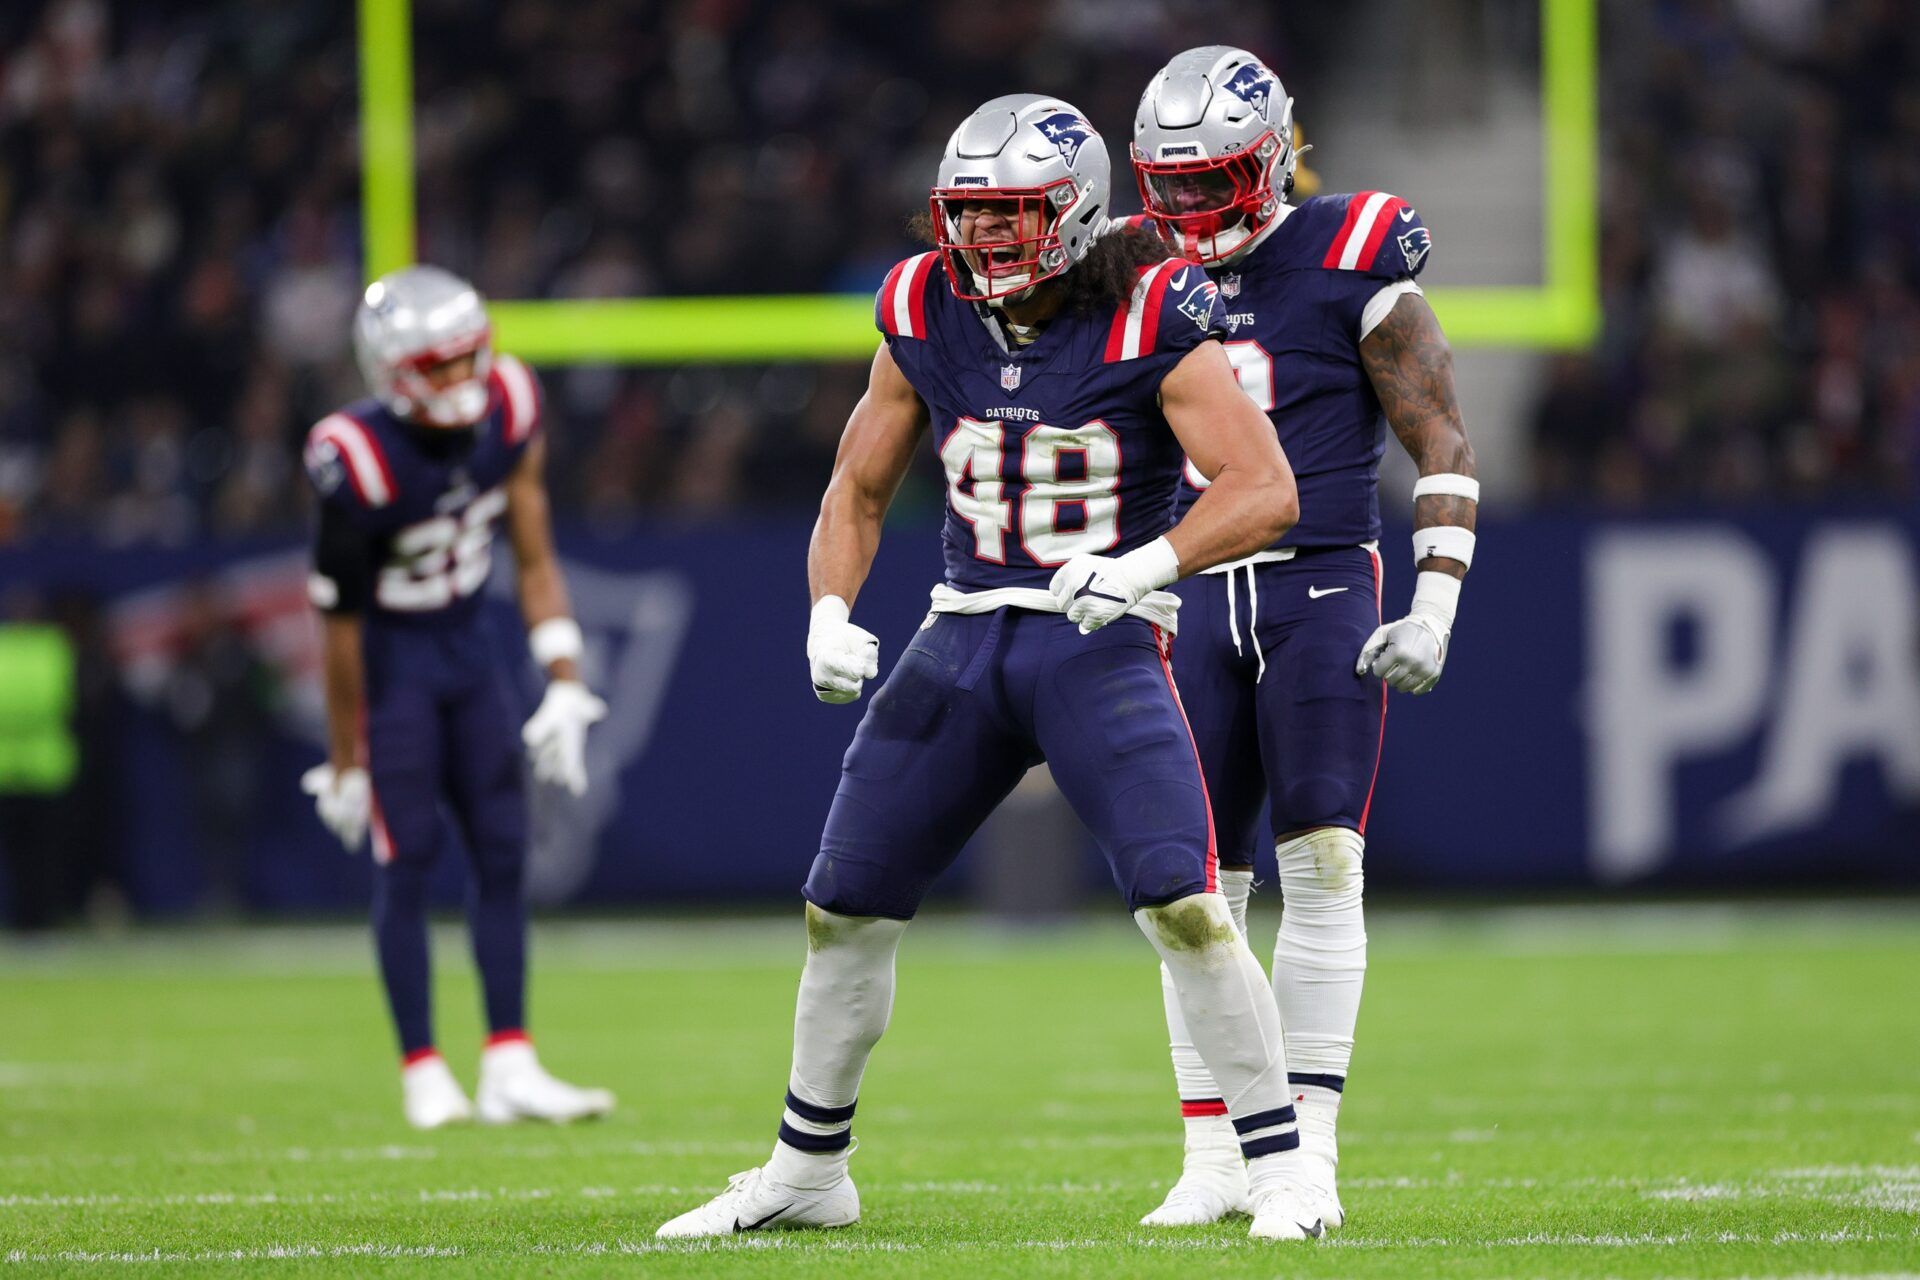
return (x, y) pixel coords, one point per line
(518, 394)
(1369, 214)
(903, 298)
(366, 465)
(1136, 327)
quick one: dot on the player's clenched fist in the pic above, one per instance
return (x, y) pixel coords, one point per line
(843, 657)
(556, 734)
(1094, 590)
(1407, 654)
(343, 799)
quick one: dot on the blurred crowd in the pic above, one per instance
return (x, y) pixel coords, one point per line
(1760, 259)
(179, 230)
(179, 222)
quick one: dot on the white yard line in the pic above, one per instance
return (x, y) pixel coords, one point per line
(839, 1244)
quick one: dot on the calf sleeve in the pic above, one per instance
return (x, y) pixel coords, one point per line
(1320, 960)
(1228, 1008)
(846, 997)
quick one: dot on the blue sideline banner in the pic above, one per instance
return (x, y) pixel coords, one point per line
(1692, 700)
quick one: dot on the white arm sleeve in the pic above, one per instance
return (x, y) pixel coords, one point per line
(1381, 304)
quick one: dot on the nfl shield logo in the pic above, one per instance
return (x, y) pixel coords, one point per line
(1010, 377)
(1230, 286)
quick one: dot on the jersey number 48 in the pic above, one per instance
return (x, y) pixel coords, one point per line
(1060, 517)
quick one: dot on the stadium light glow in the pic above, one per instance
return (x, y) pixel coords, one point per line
(1563, 311)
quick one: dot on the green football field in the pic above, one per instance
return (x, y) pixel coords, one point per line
(1626, 1092)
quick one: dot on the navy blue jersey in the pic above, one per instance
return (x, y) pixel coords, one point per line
(1292, 311)
(1058, 448)
(408, 512)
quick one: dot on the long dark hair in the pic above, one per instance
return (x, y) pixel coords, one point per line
(1102, 280)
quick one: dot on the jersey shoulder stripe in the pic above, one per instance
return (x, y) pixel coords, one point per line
(514, 386)
(1370, 214)
(357, 450)
(900, 309)
(1136, 327)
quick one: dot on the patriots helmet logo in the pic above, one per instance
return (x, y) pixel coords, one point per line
(1066, 131)
(1254, 85)
(1010, 377)
(1197, 306)
(325, 466)
(1414, 245)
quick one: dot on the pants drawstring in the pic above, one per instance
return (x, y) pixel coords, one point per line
(1253, 619)
(1233, 627)
(1253, 623)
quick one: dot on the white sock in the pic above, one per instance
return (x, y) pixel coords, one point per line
(1228, 1008)
(846, 997)
(1320, 961)
(1202, 1109)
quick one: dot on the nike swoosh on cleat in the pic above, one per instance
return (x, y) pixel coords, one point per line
(755, 1226)
(1406, 215)
(1314, 593)
(1315, 1231)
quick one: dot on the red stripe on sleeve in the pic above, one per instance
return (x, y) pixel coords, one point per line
(1355, 203)
(1117, 332)
(1150, 314)
(1382, 222)
(886, 299)
(379, 459)
(917, 301)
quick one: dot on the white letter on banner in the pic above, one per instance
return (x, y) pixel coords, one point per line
(1643, 712)
(1851, 687)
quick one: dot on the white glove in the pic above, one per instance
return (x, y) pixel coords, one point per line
(1094, 590)
(1409, 652)
(556, 735)
(843, 657)
(344, 801)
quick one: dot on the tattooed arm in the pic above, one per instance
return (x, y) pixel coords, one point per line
(1411, 368)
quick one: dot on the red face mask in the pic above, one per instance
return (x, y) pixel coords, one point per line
(1001, 261)
(455, 404)
(1210, 208)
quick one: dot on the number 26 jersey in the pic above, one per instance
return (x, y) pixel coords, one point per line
(407, 513)
(1054, 449)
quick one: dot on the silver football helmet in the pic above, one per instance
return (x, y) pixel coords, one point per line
(411, 320)
(1044, 178)
(1213, 150)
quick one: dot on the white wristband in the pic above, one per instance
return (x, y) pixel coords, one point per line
(1444, 540)
(1158, 563)
(555, 639)
(1447, 484)
(829, 609)
(1436, 595)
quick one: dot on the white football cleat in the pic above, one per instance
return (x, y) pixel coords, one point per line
(755, 1202)
(1206, 1192)
(430, 1094)
(514, 1086)
(1287, 1210)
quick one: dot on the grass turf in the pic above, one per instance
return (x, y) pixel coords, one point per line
(1672, 1092)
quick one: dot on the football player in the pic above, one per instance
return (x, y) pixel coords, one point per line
(420, 713)
(1284, 659)
(1059, 374)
